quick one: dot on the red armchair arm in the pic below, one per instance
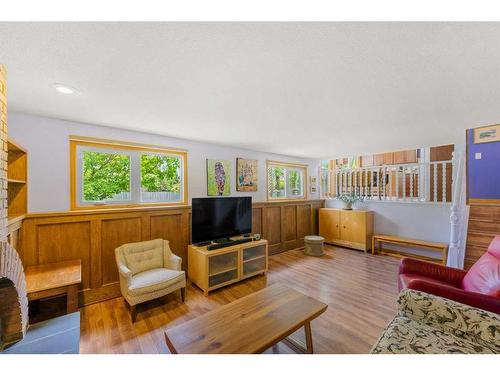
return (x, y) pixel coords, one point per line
(481, 301)
(435, 271)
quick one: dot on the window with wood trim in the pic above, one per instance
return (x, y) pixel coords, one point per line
(286, 181)
(111, 174)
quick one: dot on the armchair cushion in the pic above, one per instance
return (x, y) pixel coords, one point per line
(143, 256)
(484, 276)
(153, 280)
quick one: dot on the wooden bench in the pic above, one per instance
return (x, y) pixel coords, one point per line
(55, 279)
(442, 248)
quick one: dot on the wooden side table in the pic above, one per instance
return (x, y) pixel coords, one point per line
(55, 279)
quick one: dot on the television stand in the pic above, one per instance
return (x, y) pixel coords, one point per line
(212, 269)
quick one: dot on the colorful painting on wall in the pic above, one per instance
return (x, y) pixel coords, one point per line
(487, 134)
(218, 177)
(246, 174)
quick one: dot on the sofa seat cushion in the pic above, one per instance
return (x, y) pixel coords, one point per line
(407, 336)
(406, 278)
(154, 280)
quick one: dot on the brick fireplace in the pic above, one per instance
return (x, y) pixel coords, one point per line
(14, 301)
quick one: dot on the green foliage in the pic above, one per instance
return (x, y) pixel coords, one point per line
(350, 198)
(105, 175)
(278, 181)
(160, 173)
(294, 180)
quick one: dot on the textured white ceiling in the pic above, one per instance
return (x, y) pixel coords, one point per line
(304, 89)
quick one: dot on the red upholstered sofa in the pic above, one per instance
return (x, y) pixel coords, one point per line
(478, 287)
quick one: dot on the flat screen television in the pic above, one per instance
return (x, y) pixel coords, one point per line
(220, 218)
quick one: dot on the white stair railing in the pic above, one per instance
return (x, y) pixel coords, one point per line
(413, 182)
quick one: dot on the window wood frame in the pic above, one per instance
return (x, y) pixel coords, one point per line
(104, 144)
(280, 164)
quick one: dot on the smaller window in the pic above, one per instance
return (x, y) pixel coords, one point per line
(286, 181)
(105, 177)
(160, 178)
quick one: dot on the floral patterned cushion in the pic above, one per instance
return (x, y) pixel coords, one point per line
(429, 324)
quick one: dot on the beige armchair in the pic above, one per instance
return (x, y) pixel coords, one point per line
(148, 270)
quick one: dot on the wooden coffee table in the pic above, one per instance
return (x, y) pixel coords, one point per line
(54, 279)
(250, 324)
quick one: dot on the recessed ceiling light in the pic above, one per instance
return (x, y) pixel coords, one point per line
(64, 89)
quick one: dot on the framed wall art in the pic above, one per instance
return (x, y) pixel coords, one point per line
(246, 174)
(487, 134)
(218, 177)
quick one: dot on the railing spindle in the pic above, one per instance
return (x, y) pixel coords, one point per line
(389, 190)
(404, 183)
(366, 184)
(424, 174)
(396, 175)
(434, 165)
(444, 181)
(371, 183)
(411, 183)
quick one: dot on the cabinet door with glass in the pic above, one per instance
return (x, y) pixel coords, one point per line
(223, 268)
(254, 260)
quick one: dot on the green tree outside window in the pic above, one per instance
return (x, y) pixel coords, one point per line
(104, 175)
(160, 173)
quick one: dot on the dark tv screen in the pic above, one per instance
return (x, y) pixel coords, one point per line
(216, 218)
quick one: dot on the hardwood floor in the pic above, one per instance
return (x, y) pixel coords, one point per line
(360, 291)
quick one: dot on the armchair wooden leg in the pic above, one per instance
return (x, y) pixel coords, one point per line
(133, 313)
(183, 294)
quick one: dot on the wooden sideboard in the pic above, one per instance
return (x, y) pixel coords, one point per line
(213, 269)
(347, 228)
(93, 235)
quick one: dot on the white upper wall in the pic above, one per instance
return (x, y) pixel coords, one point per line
(47, 142)
(424, 221)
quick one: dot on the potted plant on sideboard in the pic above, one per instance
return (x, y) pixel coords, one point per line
(349, 199)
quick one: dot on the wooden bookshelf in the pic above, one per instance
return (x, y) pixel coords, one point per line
(17, 179)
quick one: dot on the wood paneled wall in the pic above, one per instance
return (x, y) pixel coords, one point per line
(484, 225)
(92, 236)
(284, 224)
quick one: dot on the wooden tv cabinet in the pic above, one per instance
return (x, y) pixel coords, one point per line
(212, 269)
